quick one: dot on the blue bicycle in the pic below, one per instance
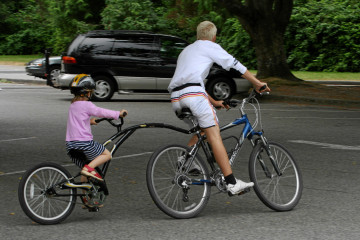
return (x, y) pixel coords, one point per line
(180, 183)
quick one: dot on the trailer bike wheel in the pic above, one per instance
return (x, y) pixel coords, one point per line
(42, 196)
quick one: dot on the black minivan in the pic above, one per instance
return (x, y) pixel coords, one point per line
(136, 61)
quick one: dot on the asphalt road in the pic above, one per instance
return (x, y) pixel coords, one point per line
(324, 140)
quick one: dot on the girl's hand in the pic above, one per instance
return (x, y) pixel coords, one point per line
(123, 113)
(92, 121)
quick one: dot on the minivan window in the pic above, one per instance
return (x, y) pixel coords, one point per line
(96, 46)
(134, 46)
(171, 47)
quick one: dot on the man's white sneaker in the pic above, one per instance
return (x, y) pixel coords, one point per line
(238, 187)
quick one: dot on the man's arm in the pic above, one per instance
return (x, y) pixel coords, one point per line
(217, 104)
(255, 82)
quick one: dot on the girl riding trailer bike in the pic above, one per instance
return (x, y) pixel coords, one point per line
(86, 153)
(79, 139)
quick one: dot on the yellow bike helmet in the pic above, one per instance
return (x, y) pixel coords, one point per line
(81, 85)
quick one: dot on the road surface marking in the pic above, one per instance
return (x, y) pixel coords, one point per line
(319, 118)
(16, 139)
(328, 145)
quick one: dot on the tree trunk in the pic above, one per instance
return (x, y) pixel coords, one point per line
(266, 22)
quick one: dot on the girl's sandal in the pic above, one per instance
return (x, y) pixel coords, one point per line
(90, 172)
(86, 204)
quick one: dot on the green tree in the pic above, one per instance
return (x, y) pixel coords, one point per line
(29, 26)
(23, 27)
(130, 15)
(71, 17)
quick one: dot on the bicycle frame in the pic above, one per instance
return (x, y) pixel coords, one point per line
(122, 135)
(247, 132)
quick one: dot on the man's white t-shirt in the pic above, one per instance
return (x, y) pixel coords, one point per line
(195, 61)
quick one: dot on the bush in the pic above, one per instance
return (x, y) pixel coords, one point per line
(324, 36)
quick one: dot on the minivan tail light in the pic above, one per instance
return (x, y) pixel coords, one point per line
(68, 60)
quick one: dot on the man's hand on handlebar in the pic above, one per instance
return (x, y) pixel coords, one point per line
(220, 104)
(262, 87)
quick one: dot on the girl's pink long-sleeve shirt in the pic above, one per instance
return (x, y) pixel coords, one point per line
(78, 124)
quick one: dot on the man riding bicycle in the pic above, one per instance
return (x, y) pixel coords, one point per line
(188, 91)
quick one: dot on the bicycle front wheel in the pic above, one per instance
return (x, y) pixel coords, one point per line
(178, 193)
(41, 196)
(280, 193)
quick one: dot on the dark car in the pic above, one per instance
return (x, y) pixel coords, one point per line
(37, 68)
(136, 61)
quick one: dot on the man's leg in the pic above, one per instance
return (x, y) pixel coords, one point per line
(233, 185)
(214, 138)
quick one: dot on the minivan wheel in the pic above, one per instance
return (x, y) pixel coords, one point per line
(221, 88)
(104, 88)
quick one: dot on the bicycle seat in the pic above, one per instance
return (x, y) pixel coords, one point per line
(183, 113)
(78, 154)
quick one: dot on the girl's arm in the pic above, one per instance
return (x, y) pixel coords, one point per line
(99, 112)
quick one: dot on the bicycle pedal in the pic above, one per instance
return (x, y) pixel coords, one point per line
(246, 190)
(93, 209)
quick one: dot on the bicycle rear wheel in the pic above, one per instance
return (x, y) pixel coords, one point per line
(280, 193)
(175, 192)
(39, 194)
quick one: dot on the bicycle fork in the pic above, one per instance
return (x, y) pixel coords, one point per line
(271, 157)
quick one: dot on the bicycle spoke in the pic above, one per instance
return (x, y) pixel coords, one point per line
(277, 192)
(38, 194)
(167, 183)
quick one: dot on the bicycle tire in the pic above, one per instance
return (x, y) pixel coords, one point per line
(280, 193)
(164, 179)
(42, 207)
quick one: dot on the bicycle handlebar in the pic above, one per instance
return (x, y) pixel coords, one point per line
(232, 103)
(110, 120)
